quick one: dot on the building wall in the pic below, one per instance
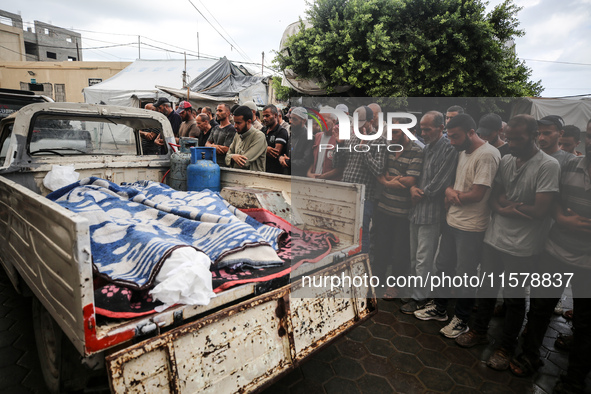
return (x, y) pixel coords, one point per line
(50, 76)
(57, 44)
(12, 47)
(44, 42)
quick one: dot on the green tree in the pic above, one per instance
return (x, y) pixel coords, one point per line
(411, 48)
(282, 93)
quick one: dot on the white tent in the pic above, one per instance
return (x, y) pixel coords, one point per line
(137, 82)
(575, 111)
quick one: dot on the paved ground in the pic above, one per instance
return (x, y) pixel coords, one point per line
(391, 352)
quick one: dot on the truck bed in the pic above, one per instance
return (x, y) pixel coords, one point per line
(58, 241)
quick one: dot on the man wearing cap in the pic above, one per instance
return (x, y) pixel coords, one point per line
(362, 166)
(189, 126)
(163, 106)
(343, 108)
(551, 128)
(249, 147)
(489, 127)
(223, 134)
(299, 149)
(276, 139)
(253, 107)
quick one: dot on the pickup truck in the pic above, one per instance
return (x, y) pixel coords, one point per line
(242, 341)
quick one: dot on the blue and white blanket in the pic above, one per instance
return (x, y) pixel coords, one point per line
(135, 227)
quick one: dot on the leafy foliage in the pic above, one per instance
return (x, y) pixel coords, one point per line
(283, 93)
(411, 48)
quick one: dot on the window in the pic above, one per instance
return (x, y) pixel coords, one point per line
(64, 135)
(51, 55)
(36, 87)
(71, 59)
(46, 31)
(69, 39)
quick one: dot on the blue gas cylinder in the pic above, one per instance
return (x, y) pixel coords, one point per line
(178, 164)
(203, 172)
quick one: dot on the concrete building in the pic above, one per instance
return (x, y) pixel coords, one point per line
(43, 42)
(62, 81)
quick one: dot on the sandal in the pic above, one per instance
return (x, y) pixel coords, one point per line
(564, 342)
(523, 367)
(499, 360)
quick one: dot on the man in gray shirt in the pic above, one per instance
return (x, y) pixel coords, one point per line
(525, 186)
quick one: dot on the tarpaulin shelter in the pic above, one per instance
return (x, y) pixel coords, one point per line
(223, 82)
(137, 82)
(574, 111)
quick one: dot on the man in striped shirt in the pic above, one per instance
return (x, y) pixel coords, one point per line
(426, 216)
(390, 225)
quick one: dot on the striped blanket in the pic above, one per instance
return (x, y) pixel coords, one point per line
(135, 227)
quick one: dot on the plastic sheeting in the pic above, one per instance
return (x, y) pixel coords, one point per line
(574, 111)
(137, 82)
(223, 79)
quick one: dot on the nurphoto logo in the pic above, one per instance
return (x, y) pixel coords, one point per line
(392, 123)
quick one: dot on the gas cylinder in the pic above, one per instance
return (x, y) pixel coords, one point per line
(178, 164)
(203, 172)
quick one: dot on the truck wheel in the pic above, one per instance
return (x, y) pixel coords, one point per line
(48, 337)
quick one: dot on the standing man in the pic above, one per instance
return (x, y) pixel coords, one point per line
(570, 139)
(249, 147)
(222, 135)
(276, 139)
(189, 126)
(164, 107)
(428, 213)
(253, 107)
(390, 226)
(452, 111)
(525, 186)
(209, 112)
(299, 153)
(567, 249)
(323, 150)
(489, 127)
(281, 121)
(550, 129)
(149, 136)
(362, 167)
(468, 216)
(205, 127)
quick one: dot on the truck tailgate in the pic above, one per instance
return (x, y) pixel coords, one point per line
(247, 345)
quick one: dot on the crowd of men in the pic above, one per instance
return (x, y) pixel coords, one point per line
(459, 198)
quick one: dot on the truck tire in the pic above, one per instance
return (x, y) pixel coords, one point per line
(60, 364)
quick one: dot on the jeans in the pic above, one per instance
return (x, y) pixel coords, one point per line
(424, 239)
(496, 262)
(459, 253)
